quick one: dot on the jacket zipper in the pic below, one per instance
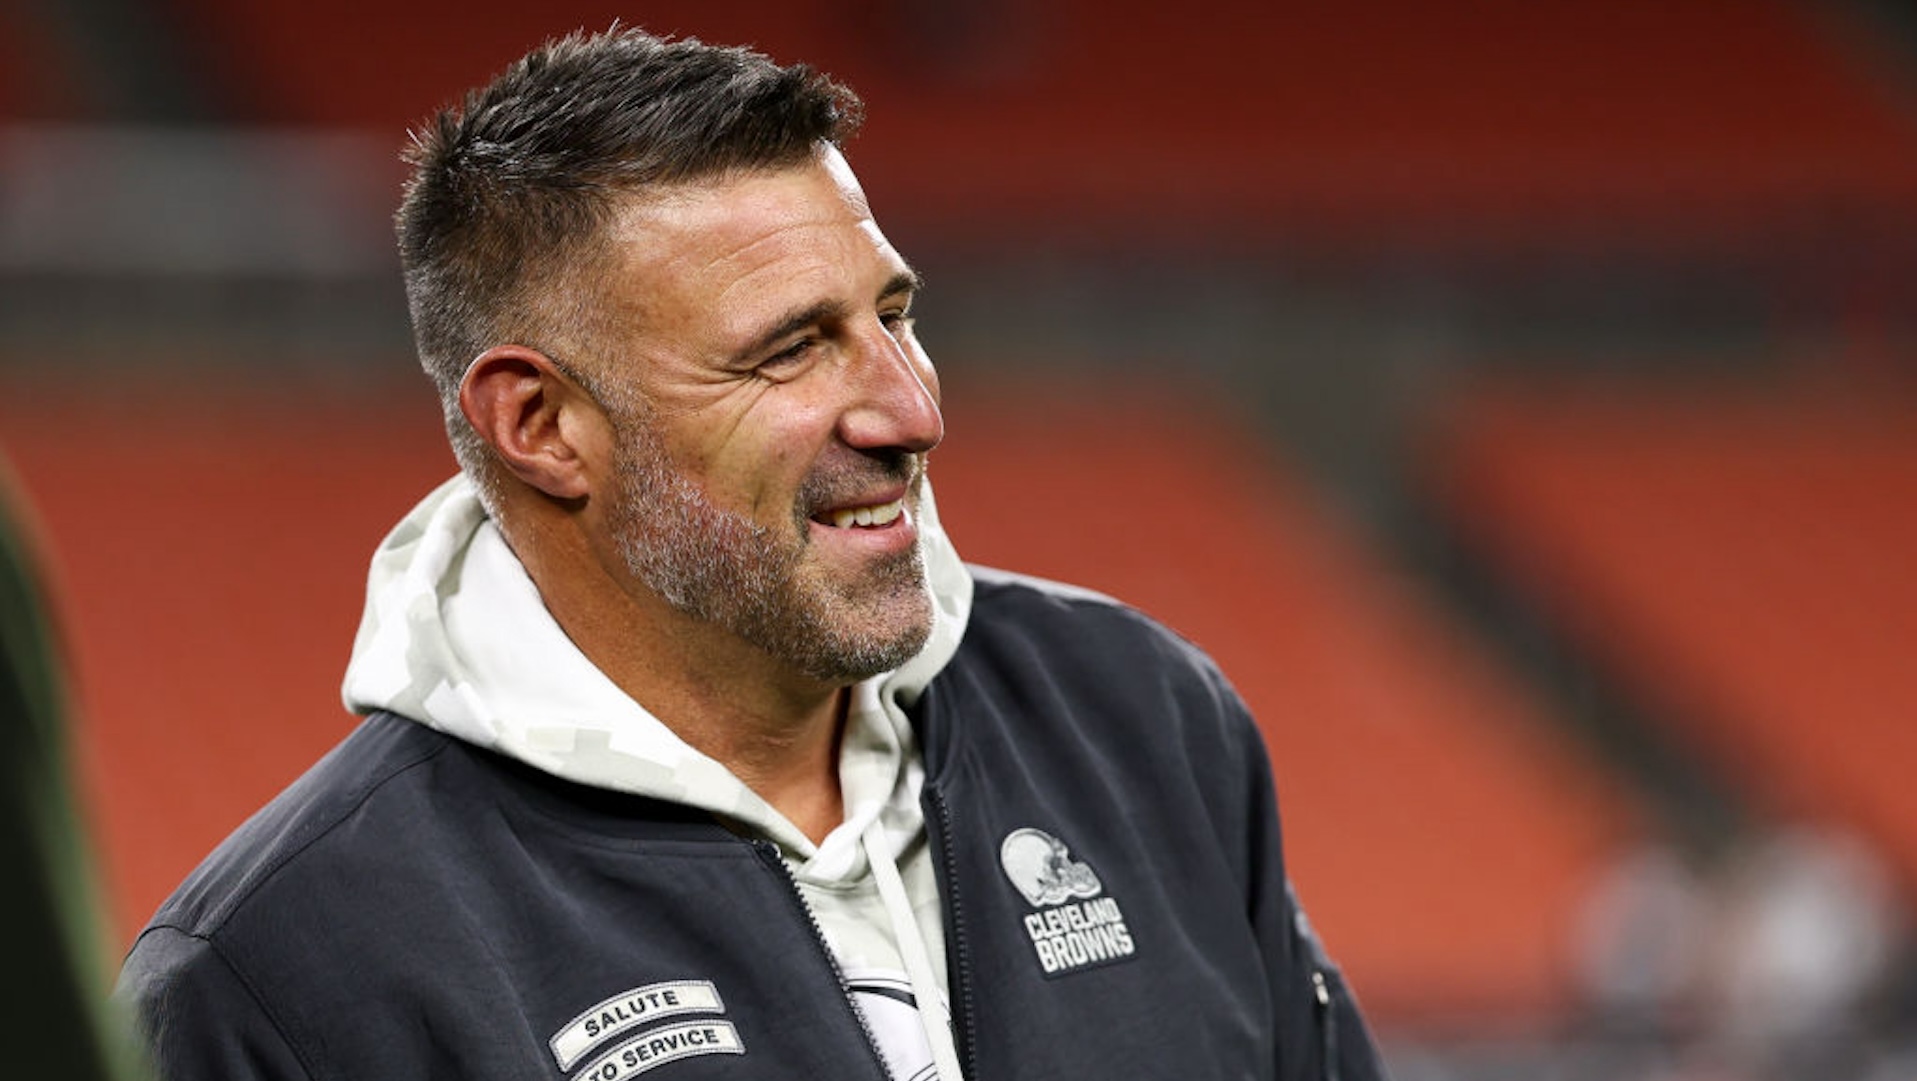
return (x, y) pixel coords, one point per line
(960, 977)
(1327, 1023)
(769, 854)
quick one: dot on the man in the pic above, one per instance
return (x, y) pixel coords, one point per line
(691, 746)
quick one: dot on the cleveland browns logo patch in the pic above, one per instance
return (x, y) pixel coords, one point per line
(1075, 925)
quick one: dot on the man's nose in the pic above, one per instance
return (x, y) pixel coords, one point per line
(895, 403)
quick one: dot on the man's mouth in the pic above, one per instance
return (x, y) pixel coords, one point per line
(874, 516)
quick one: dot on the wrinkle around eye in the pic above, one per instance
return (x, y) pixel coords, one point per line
(787, 363)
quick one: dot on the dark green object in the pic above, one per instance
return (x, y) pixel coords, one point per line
(56, 1021)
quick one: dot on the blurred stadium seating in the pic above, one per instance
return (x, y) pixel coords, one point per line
(1741, 559)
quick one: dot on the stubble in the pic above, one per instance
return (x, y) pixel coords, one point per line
(754, 580)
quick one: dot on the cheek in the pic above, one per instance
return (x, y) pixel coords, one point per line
(765, 458)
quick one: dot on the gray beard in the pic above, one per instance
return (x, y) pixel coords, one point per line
(723, 568)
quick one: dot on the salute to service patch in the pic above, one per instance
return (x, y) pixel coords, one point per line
(641, 1008)
(1074, 927)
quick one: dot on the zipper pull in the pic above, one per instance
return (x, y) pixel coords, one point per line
(1327, 1024)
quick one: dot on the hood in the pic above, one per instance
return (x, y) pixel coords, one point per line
(455, 636)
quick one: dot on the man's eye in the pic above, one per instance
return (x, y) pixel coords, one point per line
(898, 324)
(791, 353)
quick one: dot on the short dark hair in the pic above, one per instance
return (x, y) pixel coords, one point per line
(501, 231)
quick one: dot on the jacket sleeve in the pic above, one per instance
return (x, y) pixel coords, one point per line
(200, 1020)
(1320, 1033)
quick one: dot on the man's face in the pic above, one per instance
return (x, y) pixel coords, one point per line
(771, 412)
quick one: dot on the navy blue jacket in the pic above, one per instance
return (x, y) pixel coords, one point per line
(1100, 806)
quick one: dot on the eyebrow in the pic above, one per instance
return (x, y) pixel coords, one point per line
(905, 281)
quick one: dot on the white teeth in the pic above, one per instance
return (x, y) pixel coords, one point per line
(883, 514)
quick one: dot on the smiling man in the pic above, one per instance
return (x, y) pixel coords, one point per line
(690, 744)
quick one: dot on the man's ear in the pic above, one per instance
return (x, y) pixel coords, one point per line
(540, 422)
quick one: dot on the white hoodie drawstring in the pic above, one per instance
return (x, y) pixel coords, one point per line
(926, 991)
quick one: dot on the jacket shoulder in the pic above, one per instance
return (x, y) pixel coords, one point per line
(383, 750)
(1040, 654)
(1069, 627)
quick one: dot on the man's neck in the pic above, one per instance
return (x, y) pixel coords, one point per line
(777, 730)
(795, 768)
